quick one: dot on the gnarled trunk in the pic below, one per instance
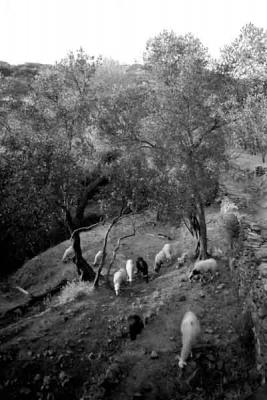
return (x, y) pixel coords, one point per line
(203, 242)
(84, 269)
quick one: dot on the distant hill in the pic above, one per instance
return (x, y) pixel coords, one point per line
(19, 78)
(27, 70)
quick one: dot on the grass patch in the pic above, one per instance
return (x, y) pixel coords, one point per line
(75, 290)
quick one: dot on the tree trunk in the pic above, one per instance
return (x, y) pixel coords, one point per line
(263, 155)
(203, 242)
(89, 192)
(84, 270)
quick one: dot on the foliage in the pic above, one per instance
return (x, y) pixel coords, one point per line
(146, 136)
(45, 155)
(189, 135)
(246, 57)
(131, 185)
(250, 126)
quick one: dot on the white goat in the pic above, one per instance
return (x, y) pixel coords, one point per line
(130, 270)
(202, 266)
(168, 251)
(119, 277)
(98, 258)
(171, 250)
(68, 254)
(190, 329)
(160, 258)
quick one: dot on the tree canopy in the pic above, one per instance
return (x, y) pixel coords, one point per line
(153, 135)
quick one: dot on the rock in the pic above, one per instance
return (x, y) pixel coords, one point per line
(183, 278)
(221, 286)
(147, 387)
(263, 310)
(263, 269)
(148, 316)
(253, 375)
(112, 376)
(209, 330)
(210, 357)
(25, 391)
(91, 356)
(138, 395)
(255, 227)
(154, 355)
(260, 394)
(261, 252)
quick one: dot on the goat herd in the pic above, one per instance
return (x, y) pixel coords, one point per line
(190, 326)
(166, 254)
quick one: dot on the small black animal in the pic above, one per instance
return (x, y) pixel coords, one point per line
(142, 267)
(136, 325)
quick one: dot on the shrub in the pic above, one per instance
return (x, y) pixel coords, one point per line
(75, 290)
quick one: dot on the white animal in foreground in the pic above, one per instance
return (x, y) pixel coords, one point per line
(98, 258)
(202, 266)
(130, 270)
(190, 329)
(119, 277)
(68, 254)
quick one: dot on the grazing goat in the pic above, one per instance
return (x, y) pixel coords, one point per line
(168, 251)
(142, 267)
(130, 270)
(190, 329)
(171, 250)
(119, 277)
(136, 325)
(202, 266)
(98, 258)
(68, 254)
(159, 260)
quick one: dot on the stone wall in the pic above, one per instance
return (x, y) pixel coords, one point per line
(250, 275)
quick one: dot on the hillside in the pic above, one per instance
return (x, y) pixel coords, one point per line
(27, 70)
(81, 350)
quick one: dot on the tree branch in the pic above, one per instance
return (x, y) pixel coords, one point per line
(115, 250)
(113, 222)
(86, 228)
